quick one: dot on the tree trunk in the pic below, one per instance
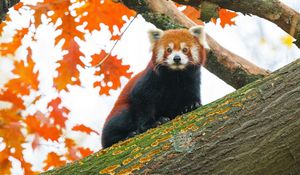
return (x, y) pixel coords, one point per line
(275, 11)
(4, 6)
(255, 130)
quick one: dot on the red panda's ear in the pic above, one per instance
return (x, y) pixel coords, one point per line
(155, 34)
(198, 31)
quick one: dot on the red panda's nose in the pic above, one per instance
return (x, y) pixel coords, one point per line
(177, 59)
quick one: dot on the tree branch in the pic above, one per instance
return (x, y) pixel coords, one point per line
(255, 130)
(4, 6)
(229, 67)
(273, 10)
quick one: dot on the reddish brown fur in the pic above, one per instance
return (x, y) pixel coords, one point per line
(177, 37)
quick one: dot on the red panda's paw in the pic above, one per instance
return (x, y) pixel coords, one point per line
(131, 134)
(161, 121)
(191, 107)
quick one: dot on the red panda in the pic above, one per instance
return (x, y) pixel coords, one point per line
(169, 85)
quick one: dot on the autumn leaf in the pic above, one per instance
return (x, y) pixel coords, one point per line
(71, 154)
(18, 5)
(112, 69)
(193, 14)
(50, 132)
(84, 129)
(13, 98)
(98, 12)
(5, 164)
(26, 78)
(3, 24)
(58, 113)
(45, 130)
(53, 160)
(68, 67)
(85, 151)
(226, 17)
(11, 47)
(13, 130)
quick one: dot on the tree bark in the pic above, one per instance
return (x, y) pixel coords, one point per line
(231, 68)
(273, 10)
(255, 130)
(4, 6)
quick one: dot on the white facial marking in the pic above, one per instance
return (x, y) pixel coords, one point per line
(182, 45)
(195, 54)
(171, 45)
(160, 54)
(183, 62)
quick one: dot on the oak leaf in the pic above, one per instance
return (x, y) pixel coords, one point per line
(112, 70)
(53, 160)
(84, 129)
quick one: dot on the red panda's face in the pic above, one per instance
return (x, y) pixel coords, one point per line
(177, 49)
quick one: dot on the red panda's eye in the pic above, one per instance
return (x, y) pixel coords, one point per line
(185, 50)
(169, 50)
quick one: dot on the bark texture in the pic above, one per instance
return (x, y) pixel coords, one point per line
(231, 68)
(4, 6)
(255, 130)
(273, 10)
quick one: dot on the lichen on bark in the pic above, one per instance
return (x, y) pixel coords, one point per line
(254, 130)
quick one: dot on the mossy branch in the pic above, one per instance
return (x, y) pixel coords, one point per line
(255, 130)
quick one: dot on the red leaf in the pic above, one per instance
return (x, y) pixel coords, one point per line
(83, 128)
(58, 112)
(112, 69)
(26, 79)
(53, 160)
(5, 164)
(11, 47)
(50, 132)
(72, 150)
(108, 12)
(193, 14)
(33, 124)
(68, 67)
(18, 5)
(85, 151)
(13, 98)
(226, 17)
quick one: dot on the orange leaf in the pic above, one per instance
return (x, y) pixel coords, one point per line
(112, 69)
(33, 124)
(72, 150)
(108, 12)
(68, 67)
(53, 160)
(18, 5)
(13, 98)
(26, 79)
(226, 17)
(57, 113)
(193, 14)
(11, 47)
(50, 132)
(13, 137)
(85, 151)
(3, 24)
(5, 164)
(83, 128)
(27, 168)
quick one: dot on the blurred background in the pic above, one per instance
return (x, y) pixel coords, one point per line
(253, 38)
